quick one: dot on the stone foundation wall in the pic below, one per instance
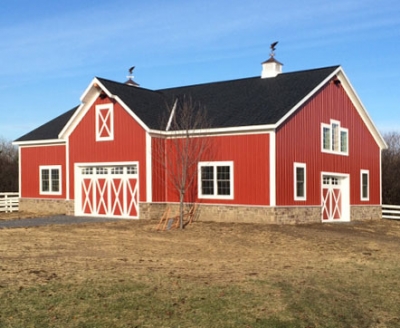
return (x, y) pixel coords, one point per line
(217, 213)
(244, 214)
(48, 206)
(365, 213)
(151, 211)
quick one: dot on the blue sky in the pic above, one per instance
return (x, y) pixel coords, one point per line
(51, 50)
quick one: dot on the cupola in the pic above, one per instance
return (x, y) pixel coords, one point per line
(271, 67)
(130, 78)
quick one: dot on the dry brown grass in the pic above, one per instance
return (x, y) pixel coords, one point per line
(21, 215)
(301, 275)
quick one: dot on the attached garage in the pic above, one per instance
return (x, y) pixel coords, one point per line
(107, 190)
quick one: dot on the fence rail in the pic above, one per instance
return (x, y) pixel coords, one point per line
(9, 201)
(391, 212)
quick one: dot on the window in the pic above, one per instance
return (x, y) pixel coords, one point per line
(50, 180)
(334, 138)
(104, 122)
(364, 185)
(299, 181)
(343, 141)
(215, 180)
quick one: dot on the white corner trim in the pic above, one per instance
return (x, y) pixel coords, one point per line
(272, 169)
(67, 167)
(149, 169)
(19, 172)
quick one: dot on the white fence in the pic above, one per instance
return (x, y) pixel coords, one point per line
(9, 201)
(391, 212)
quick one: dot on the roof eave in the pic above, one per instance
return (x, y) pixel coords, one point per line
(266, 128)
(307, 97)
(88, 97)
(362, 109)
(339, 72)
(50, 142)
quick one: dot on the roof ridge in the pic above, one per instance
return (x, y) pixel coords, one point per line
(122, 84)
(245, 78)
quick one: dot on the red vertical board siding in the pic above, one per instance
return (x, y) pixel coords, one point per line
(31, 159)
(299, 140)
(128, 145)
(158, 171)
(250, 156)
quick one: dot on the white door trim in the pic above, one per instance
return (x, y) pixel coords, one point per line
(344, 196)
(110, 194)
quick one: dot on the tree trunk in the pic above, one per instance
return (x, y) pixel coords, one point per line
(181, 198)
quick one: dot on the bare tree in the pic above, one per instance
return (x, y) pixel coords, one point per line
(391, 169)
(8, 166)
(183, 148)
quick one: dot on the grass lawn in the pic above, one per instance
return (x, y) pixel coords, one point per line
(126, 274)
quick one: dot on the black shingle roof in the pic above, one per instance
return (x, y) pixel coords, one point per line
(236, 103)
(252, 101)
(49, 130)
(147, 104)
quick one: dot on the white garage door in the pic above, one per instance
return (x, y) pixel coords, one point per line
(107, 190)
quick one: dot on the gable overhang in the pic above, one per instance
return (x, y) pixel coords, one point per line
(351, 92)
(89, 96)
(341, 76)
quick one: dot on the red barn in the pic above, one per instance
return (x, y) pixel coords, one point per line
(287, 147)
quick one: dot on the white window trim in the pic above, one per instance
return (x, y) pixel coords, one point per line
(347, 141)
(295, 166)
(110, 107)
(324, 125)
(362, 172)
(341, 129)
(50, 167)
(215, 165)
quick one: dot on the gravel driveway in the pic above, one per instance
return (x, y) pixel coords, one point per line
(59, 219)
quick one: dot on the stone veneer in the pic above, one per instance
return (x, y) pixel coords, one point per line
(244, 214)
(365, 212)
(48, 206)
(218, 213)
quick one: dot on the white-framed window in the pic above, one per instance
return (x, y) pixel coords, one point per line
(300, 181)
(334, 138)
(104, 122)
(50, 180)
(215, 180)
(364, 175)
